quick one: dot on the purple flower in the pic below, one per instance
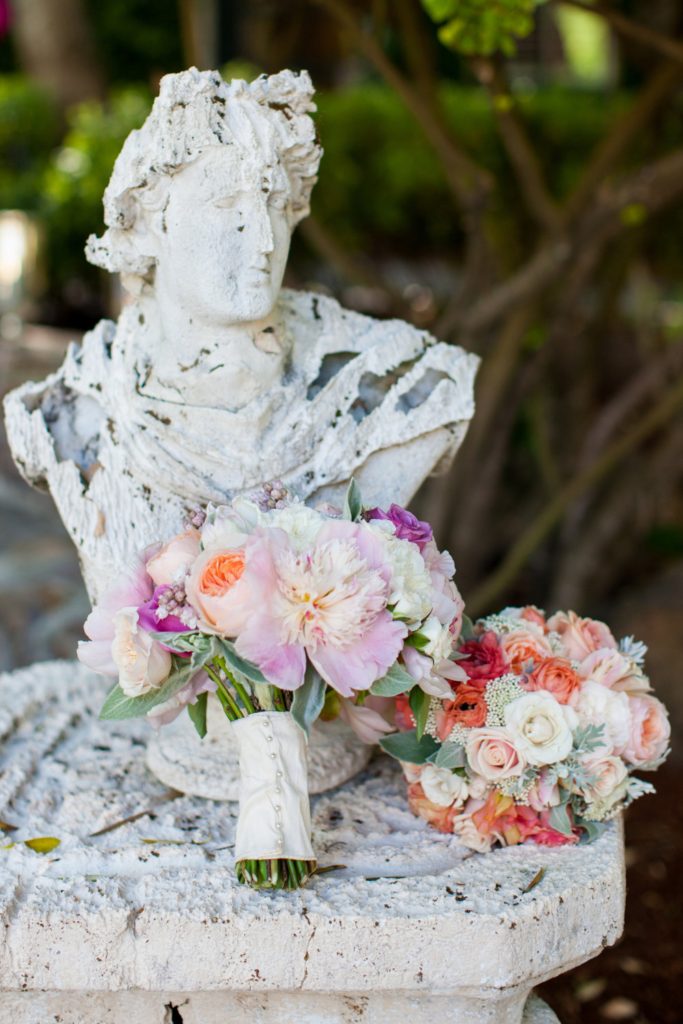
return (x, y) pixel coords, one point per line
(149, 618)
(408, 526)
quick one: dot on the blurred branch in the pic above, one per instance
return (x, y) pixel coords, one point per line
(639, 194)
(484, 597)
(632, 29)
(626, 129)
(418, 45)
(521, 153)
(469, 182)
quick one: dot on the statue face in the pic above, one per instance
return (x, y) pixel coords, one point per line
(222, 238)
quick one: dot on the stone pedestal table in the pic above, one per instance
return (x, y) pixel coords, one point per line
(145, 922)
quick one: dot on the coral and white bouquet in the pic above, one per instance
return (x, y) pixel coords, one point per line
(285, 613)
(540, 736)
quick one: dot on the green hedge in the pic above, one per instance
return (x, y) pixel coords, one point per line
(29, 131)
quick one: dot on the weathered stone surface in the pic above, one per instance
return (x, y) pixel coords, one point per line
(411, 913)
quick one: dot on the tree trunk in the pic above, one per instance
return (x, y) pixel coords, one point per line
(54, 46)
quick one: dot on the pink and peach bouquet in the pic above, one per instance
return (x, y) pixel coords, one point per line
(540, 735)
(286, 613)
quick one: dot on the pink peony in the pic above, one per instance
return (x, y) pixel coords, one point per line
(483, 659)
(492, 754)
(447, 604)
(580, 636)
(524, 648)
(174, 560)
(649, 734)
(556, 676)
(328, 603)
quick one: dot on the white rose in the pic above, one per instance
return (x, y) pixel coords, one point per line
(301, 524)
(142, 662)
(540, 727)
(598, 705)
(411, 584)
(442, 786)
(440, 639)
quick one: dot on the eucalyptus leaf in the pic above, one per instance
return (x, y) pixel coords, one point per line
(119, 706)
(241, 665)
(405, 746)
(419, 705)
(182, 643)
(591, 829)
(467, 629)
(308, 700)
(197, 713)
(396, 681)
(353, 504)
(450, 755)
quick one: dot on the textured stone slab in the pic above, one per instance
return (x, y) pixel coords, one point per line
(153, 905)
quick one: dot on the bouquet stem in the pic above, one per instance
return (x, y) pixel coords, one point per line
(286, 762)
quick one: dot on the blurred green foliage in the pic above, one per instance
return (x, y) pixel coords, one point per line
(134, 36)
(381, 187)
(482, 27)
(29, 129)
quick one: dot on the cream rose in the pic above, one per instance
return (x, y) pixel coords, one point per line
(598, 705)
(493, 755)
(540, 728)
(443, 787)
(649, 732)
(174, 560)
(142, 663)
(610, 781)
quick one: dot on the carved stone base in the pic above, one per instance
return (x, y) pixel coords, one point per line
(266, 1008)
(210, 767)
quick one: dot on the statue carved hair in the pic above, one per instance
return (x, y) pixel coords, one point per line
(268, 118)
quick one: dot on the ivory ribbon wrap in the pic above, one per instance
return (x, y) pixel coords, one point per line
(275, 815)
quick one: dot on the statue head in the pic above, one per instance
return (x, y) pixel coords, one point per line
(204, 197)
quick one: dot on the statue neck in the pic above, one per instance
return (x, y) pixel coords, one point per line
(226, 365)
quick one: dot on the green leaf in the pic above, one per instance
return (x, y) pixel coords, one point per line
(405, 746)
(449, 755)
(591, 829)
(42, 844)
(308, 700)
(197, 713)
(396, 681)
(241, 665)
(181, 643)
(418, 640)
(353, 504)
(118, 706)
(467, 631)
(419, 705)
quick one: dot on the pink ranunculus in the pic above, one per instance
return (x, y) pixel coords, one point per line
(580, 637)
(612, 669)
(524, 648)
(492, 754)
(328, 604)
(483, 659)
(132, 589)
(556, 676)
(650, 732)
(174, 560)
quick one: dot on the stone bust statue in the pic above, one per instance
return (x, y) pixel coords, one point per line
(215, 380)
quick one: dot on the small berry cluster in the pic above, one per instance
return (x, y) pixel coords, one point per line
(272, 495)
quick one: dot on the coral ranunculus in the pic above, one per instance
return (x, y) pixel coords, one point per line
(483, 659)
(523, 648)
(556, 676)
(468, 708)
